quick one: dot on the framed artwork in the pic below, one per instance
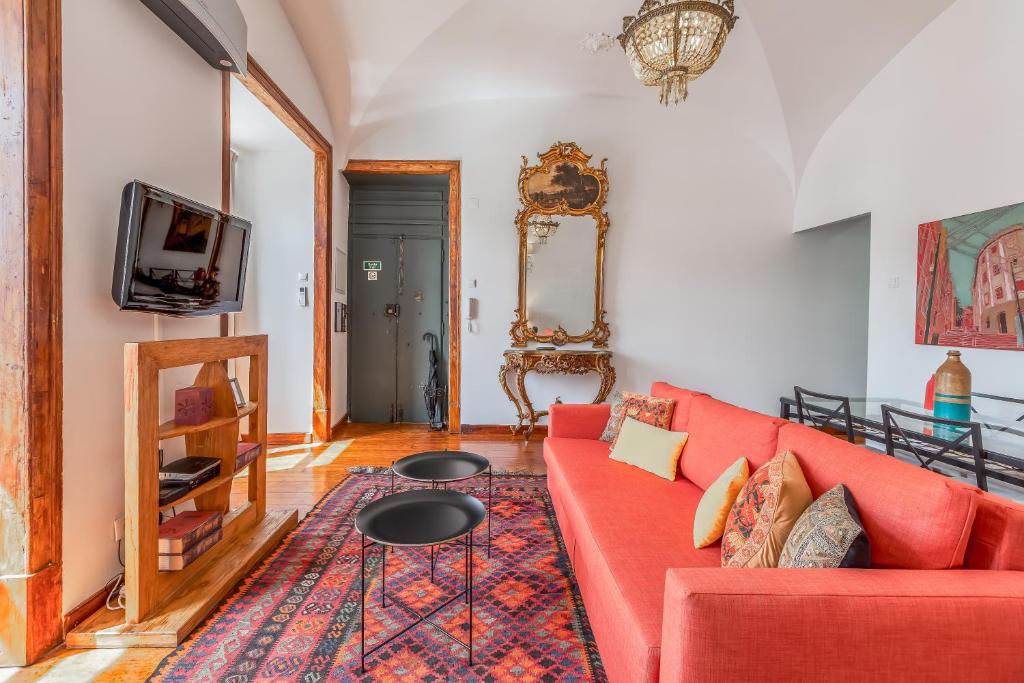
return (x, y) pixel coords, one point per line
(970, 281)
(236, 391)
(340, 270)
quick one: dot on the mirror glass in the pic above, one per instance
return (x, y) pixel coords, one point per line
(561, 270)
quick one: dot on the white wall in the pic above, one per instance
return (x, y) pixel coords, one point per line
(937, 134)
(274, 189)
(138, 103)
(702, 266)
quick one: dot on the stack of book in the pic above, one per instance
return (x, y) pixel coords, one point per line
(246, 453)
(186, 536)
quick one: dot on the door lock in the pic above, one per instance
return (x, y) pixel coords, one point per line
(392, 310)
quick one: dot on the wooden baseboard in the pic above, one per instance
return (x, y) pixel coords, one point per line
(502, 430)
(289, 439)
(338, 426)
(86, 608)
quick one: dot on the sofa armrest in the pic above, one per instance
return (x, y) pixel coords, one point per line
(569, 421)
(842, 624)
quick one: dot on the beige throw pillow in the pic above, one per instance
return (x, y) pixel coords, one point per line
(649, 448)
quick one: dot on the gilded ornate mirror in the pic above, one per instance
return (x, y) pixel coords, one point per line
(562, 228)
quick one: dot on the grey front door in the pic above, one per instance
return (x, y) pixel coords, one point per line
(398, 294)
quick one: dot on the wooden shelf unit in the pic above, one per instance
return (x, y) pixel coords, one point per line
(161, 608)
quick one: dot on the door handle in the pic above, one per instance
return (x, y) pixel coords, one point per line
(392, 310)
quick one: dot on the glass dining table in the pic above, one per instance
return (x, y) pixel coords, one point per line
(1002, 437)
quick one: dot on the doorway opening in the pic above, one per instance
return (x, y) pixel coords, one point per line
(305, 235)
(404, 289)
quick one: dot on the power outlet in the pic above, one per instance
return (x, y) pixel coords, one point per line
(119, 529)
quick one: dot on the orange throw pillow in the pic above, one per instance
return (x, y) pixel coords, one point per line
(769, 505)
(717, 501)
(656, 412)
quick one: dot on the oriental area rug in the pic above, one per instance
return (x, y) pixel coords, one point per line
(297, 617)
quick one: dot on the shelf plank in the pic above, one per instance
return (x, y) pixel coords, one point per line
(170, 430)
(225, 565)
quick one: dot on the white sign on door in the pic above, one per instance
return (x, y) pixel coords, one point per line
(371, 275)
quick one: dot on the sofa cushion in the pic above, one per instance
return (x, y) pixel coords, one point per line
(765, 511)
(997, 537)
(915, 519)
(624, 544)
(720, 434)
(684, 401)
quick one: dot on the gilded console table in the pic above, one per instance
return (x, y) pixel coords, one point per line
(519, 362)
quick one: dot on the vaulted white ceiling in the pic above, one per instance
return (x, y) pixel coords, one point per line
(378, 59)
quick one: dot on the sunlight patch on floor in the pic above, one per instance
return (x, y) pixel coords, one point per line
(84, 665)
(303, 460)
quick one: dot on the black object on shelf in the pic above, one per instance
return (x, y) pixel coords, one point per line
(191, 469)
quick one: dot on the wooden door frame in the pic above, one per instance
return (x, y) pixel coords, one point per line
(31, 333)
(260, 84)
(452, 169)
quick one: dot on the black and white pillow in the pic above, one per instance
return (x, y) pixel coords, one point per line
(828, 535)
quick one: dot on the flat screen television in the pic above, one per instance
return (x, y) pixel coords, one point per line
(176, 256)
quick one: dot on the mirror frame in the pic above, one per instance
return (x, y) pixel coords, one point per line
(561, 153)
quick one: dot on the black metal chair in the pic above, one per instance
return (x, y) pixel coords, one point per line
(1004, 399)
(964, 438)
(821, 417)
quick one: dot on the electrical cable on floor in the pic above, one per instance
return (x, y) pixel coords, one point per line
(116, 592)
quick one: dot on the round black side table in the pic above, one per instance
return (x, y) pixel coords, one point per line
(440, 468)
(424, 517)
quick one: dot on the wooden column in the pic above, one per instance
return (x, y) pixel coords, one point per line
(30, 330)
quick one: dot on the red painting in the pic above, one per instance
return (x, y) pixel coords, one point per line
(970, 281)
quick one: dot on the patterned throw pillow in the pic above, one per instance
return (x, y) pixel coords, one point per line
(656, 412)
(764, 513)
(829, 535)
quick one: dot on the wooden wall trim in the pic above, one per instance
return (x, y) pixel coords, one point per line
(31, 376)
(338, 426)
(453, 169)
(260, 84)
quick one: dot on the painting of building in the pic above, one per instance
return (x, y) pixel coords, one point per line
(970, 281)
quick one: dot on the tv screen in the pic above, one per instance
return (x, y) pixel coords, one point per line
(178, 257)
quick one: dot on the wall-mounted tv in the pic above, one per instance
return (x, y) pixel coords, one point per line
(176, 256)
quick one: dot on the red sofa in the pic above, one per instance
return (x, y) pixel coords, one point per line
(946, 601)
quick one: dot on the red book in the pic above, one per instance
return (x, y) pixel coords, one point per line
(180, 561)
(184, 530)
(247, 452)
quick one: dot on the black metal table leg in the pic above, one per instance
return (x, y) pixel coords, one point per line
(470, 598)
(383, 575)
(362, 603)
(490, 505)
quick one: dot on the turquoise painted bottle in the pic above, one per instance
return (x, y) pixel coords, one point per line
(953, 389)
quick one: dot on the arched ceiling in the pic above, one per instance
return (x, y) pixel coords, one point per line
(404, 55)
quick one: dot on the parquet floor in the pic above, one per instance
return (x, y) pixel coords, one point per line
(298, 476)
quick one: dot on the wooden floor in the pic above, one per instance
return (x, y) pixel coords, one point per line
(298, 476)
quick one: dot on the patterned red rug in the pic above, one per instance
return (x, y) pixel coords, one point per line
(297, 617)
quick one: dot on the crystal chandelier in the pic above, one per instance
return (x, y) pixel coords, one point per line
(544, 229)
(669, 44)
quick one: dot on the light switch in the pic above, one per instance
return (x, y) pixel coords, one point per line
(303, 277)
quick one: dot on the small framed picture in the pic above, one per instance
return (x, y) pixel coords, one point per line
(236, 391)
(340, 270)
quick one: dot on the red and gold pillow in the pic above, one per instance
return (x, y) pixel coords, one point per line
(656, 412)
(764, 513)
